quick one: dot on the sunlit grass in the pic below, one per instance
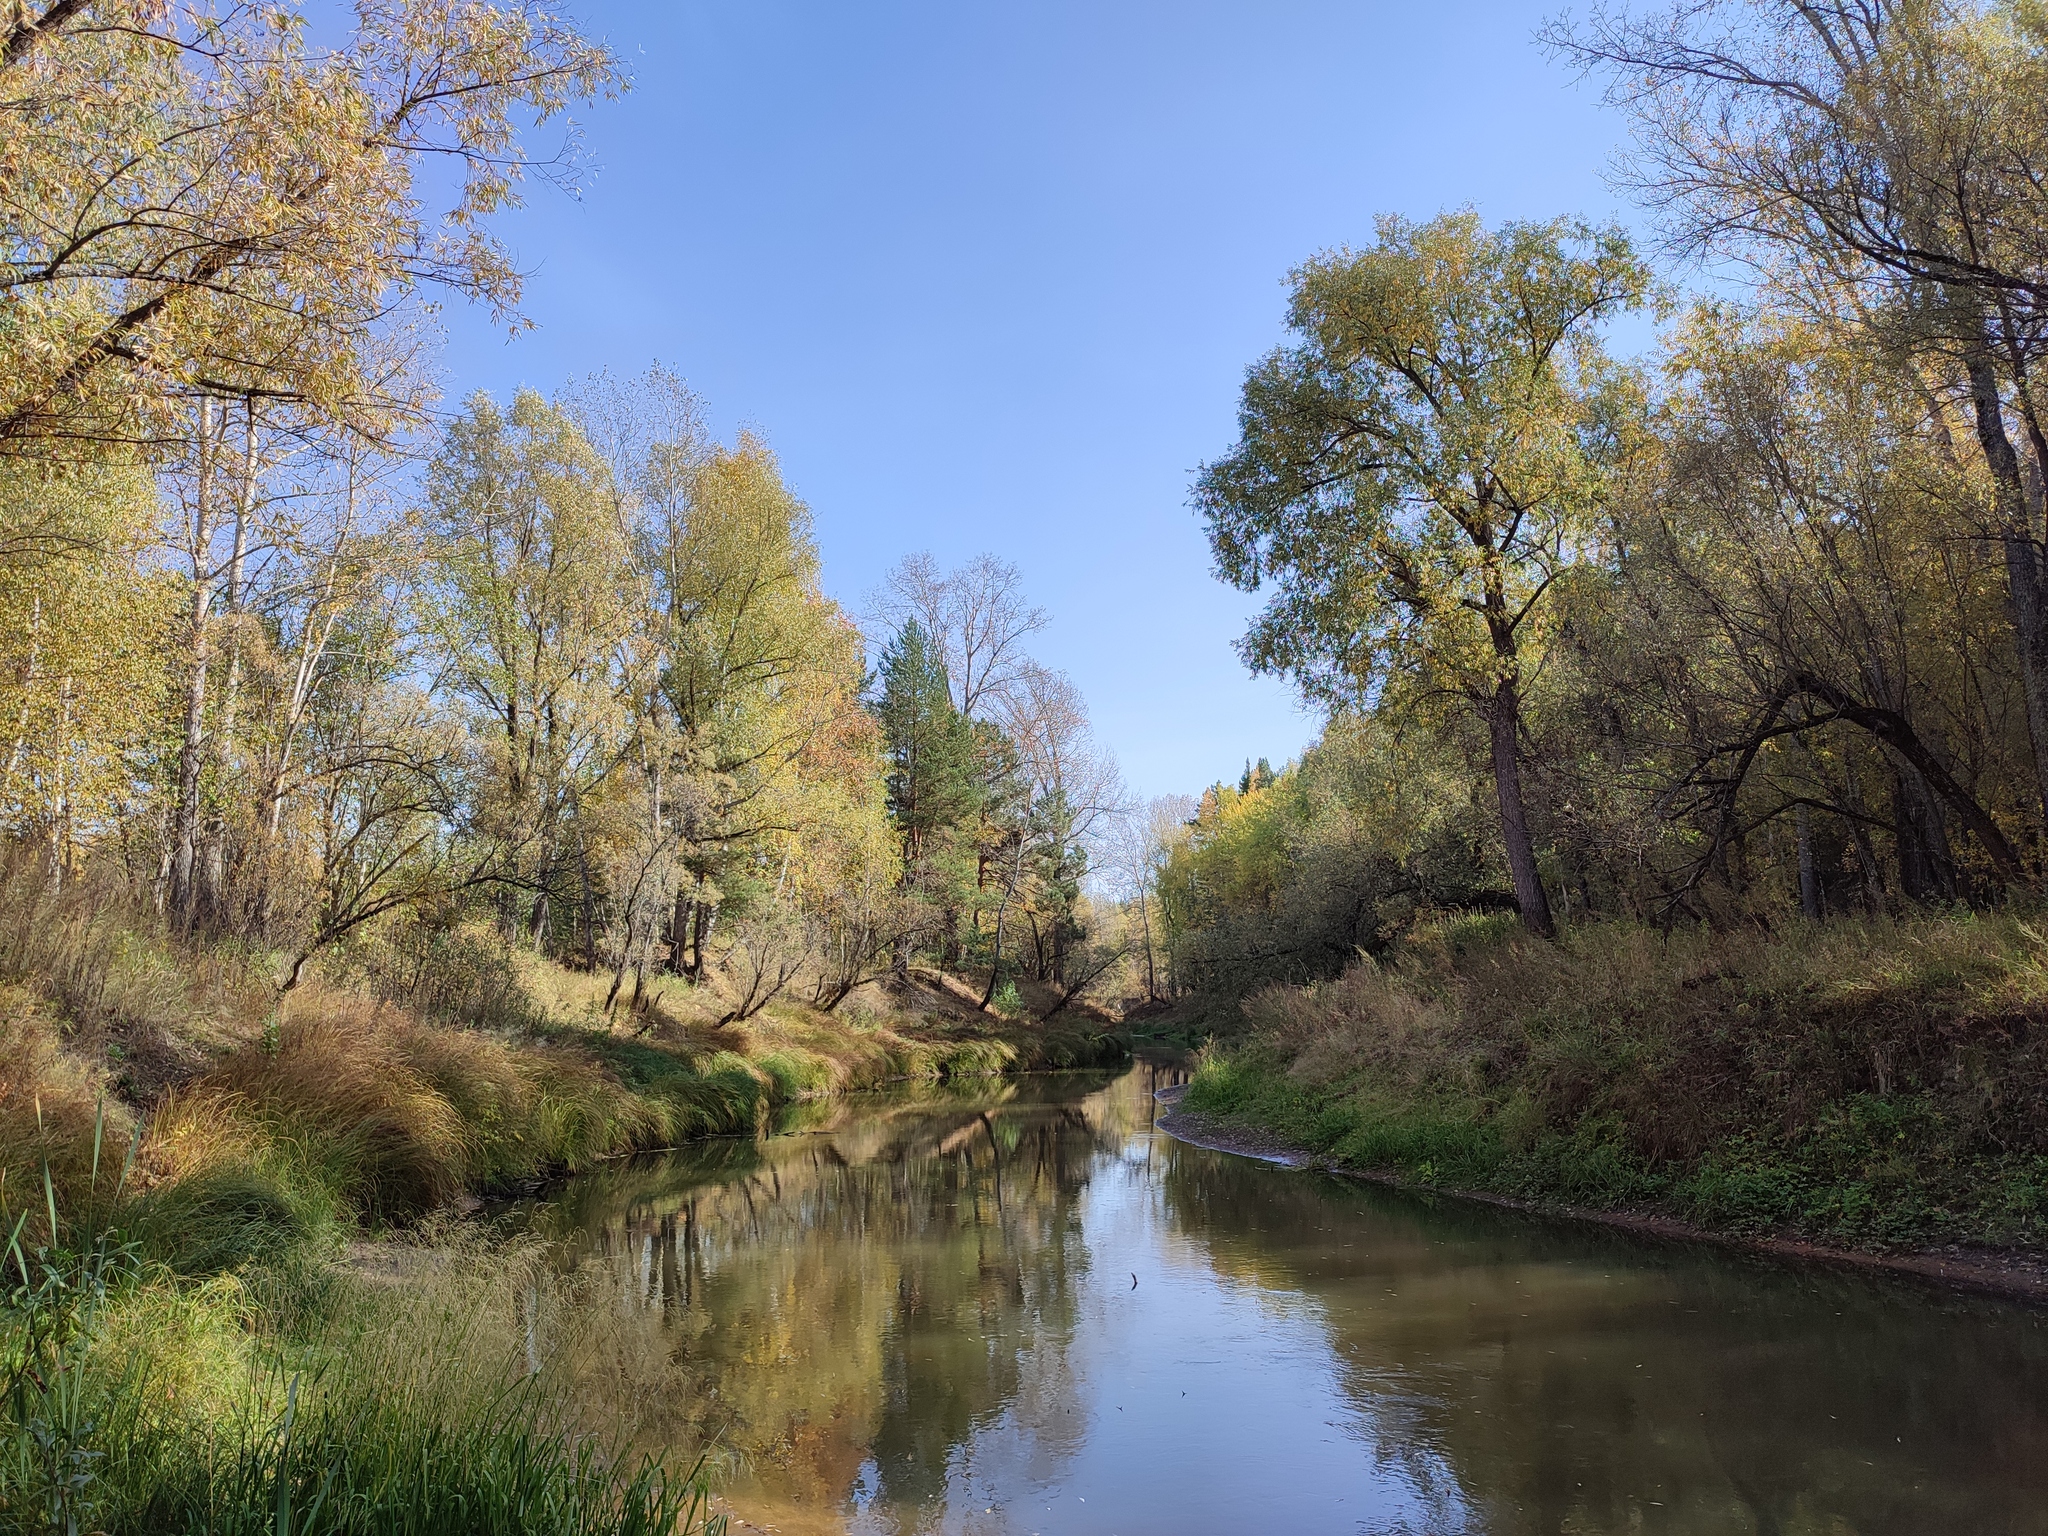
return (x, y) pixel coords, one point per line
(1863, 1081)
(423, 1388)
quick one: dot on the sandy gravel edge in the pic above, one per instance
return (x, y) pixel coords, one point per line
(2014, 1274)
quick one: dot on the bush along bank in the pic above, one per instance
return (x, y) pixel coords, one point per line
(393, 1118)
(1876, 1086)
(393, 1086)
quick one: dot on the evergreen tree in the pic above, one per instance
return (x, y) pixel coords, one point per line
(930, 748)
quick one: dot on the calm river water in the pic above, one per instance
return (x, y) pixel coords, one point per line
(1018, 1308)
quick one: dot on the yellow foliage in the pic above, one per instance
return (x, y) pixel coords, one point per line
(81, 626)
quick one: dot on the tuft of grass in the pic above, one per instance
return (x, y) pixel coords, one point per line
(50, 1103)
(347, 1462)
(341, 1084)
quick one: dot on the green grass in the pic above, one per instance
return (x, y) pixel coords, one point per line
(1877, 1085)
(296, 1398)
(355, 1463)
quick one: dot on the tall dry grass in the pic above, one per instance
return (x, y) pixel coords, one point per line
(151, 1010)
(1873, 1079)
(49, 1100)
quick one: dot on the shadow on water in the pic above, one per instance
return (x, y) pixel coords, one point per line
(1012, 1306)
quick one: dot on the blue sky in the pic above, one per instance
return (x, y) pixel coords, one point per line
(988, 277)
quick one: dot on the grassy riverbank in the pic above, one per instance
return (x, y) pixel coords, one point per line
(188, 1164)
(417, 1070)
(1876, 1085)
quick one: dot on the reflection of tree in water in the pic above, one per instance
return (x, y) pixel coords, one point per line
(864, 1295)
(1582, 1381)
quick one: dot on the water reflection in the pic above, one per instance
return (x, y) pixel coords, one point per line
(1016, 1308)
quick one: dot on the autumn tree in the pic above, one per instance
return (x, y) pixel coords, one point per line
(83, 625)
(747, 708)
(1891, 151)
(231, 199)
(1417, 471)
(1798, 589)
(522, 591)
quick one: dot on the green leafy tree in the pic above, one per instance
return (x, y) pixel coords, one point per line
(1416, 472)
(524, 597)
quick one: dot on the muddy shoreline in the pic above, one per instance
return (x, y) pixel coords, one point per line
(2012, 1275)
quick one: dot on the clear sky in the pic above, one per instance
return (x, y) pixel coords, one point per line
(988, 276)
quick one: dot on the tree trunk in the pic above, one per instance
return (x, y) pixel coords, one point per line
(1504, 720)
(1866, 853)
(1151, 975)
(235, 598)
(1809, 877)
(679, 931)
(15, 756)
(192, 749)
(619, 970)
(1931, 779)
(1926, 865)
(587, 908)
(700, 933)
(2023, 564)
(995, 969)
(60, 808)
(210, 875)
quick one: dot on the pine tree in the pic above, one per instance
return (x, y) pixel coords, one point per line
(929, 745)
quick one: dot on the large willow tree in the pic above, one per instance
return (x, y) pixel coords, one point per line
(1418, 469)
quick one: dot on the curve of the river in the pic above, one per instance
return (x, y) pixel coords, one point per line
(1018, 1308)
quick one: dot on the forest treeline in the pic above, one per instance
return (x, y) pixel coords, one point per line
(1745, 624)
(303, 665)
(569, 674)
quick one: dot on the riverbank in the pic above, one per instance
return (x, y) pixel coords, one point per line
(187, 1162)
(1865, 1093)
(2011, 1274)
(395, 1083)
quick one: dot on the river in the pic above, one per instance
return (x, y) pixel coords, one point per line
(1017, 1307)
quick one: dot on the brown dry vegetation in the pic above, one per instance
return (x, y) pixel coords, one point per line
(1880, 1082)
(336, 1100)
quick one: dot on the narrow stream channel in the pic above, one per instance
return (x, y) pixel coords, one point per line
(1018, 1308)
